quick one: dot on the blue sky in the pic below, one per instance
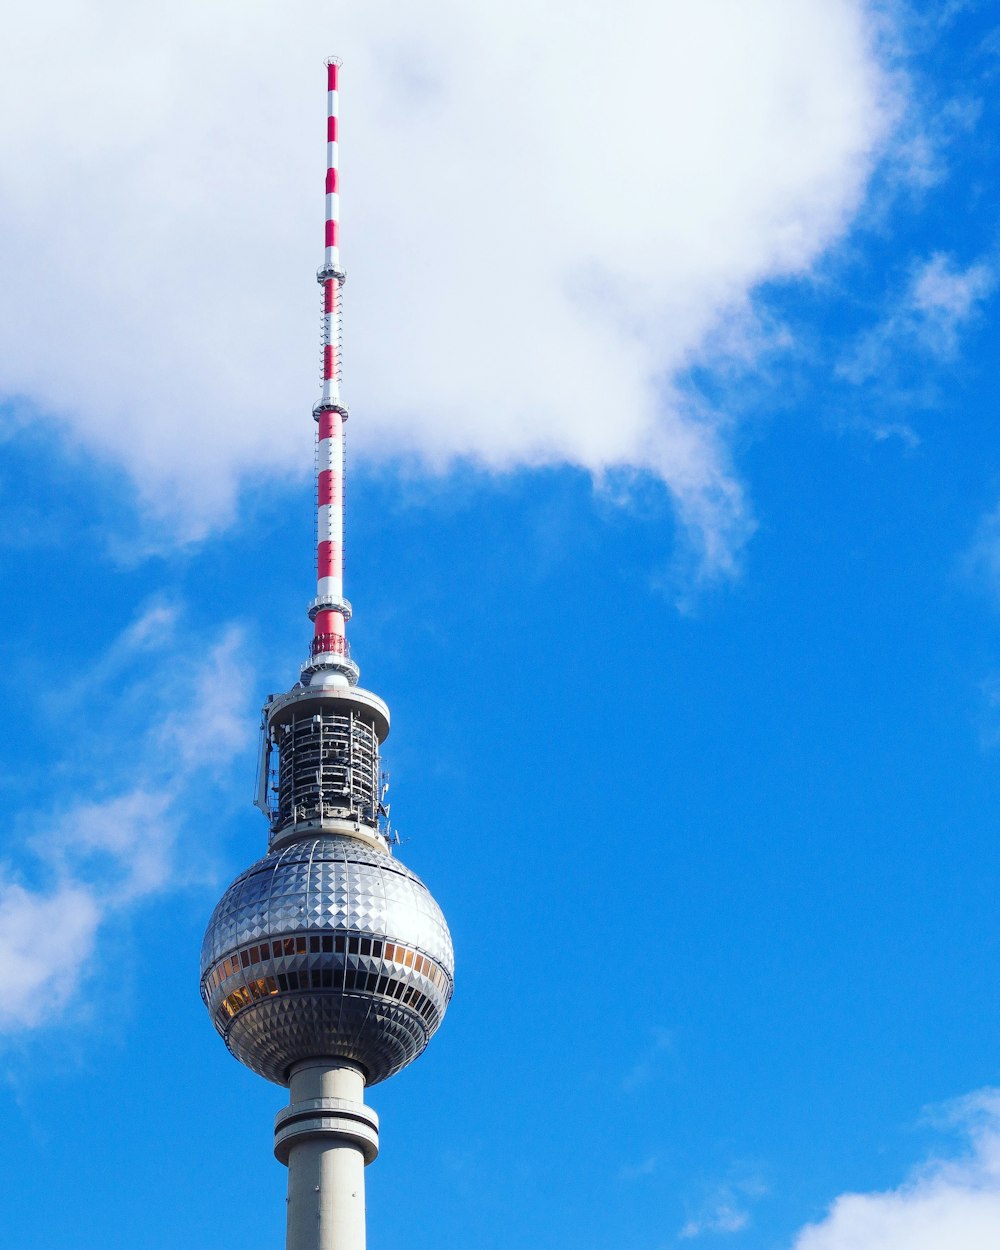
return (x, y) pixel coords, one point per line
(674, 544)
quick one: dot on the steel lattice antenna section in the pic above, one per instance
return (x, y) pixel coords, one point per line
(327, 965)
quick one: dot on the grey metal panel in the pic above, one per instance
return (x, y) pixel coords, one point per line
(329, 884)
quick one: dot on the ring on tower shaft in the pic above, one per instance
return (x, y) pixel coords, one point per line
(327, 965)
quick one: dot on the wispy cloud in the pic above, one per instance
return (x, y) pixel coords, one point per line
(948, 1203)
(940, 299)
(86, 860)
(637, 1171)
(979, 567)
(723, 1216)
(725, 1207)
(47, 936)
(943, 297)
(648, 1060)
(981, 562)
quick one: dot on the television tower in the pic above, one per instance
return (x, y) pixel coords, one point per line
(327, 965)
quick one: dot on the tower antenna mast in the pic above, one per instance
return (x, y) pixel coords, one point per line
(330, 610)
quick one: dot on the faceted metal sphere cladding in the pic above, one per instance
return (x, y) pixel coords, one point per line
(327, 947)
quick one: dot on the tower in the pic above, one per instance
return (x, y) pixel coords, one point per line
(327, 965)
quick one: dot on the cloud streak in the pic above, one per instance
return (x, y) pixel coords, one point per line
(88, 860)
(725, 1207)
(940, 299)
(648, 1061)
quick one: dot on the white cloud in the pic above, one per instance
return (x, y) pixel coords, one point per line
(982, 560)
(648, 1060)
(943, 297)
(725, 1207)
(980, 564)
(723, 1217)
(947, 1204)
(548, 213)
(122, 845)
(938, 302)
(45, 938)
(639, 1171)
(216, 731)
(97, 856)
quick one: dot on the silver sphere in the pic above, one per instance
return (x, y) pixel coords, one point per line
(327, 947)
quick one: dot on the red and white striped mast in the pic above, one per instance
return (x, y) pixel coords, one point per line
(330, 662)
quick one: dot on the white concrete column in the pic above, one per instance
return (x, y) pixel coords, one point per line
(326, 1136)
